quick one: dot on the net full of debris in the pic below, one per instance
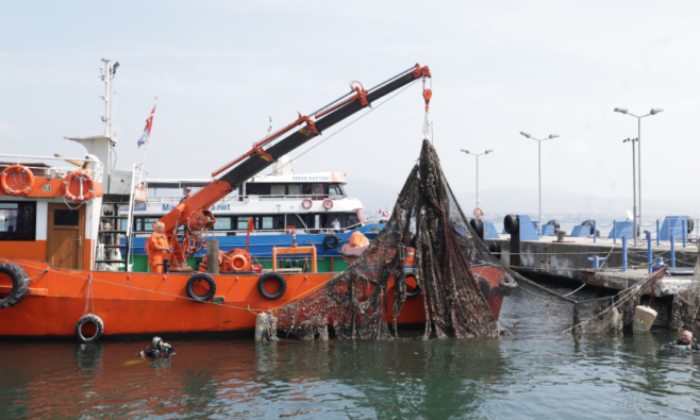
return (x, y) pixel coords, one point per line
(463, 289)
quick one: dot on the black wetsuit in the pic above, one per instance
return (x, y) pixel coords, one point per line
(679, 344)
(156, 353)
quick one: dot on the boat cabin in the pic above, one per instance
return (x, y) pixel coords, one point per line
(48, 207)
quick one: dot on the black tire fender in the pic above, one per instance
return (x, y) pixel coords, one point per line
(20, 284)
(511, 224)
(201, 277)
(478, 227)
(416, 292)
(690, 225)
(272, 276)
(331, 241)
(84, 320)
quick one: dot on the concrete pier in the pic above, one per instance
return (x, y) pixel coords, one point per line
(665, 287)
(569, 258)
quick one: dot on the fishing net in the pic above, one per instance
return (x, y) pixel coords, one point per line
(372, 293)
(686, 304)
(429, 266)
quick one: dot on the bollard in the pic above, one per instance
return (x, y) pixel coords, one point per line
(624, 253)
(615, 232)
(673, 252)
(684, 225)
(649, 256)
(213, 256)
(658, 241)
(596, 261)
(595, 229)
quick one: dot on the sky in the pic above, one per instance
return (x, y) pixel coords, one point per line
(220, 69)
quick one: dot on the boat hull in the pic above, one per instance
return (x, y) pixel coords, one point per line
(152, 303)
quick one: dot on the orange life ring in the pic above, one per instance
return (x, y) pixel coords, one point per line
(13, 190)
(307, 203)
(86, 191)
(478, 212)
(327, 204)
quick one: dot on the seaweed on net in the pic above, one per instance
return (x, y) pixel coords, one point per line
(463, 284)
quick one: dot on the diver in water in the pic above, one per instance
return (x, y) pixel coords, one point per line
(685, 343)
(158, 349)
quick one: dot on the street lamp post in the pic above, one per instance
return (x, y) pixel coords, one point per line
(634, 189)
(539, 164)
(653, 111)
(477, 170)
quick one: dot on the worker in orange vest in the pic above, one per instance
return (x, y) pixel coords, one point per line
(157, 249)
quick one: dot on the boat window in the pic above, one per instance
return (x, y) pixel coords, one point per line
(66, 217)
(273, 222)
(257, 189)
(17, 221)
(306, 189)
(242, 223)
(145, 224)
(335, 189)
(277, 189)
(353, 219)
(223, 223)
(294, 189)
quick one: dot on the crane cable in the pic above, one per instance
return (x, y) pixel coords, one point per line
(372, 109)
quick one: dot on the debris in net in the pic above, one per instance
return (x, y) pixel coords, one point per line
(359, 301)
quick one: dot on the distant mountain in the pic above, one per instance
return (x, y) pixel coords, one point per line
(555, 200)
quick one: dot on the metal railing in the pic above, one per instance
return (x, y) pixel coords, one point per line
(47, 170)
(254, 197)
(267, 232)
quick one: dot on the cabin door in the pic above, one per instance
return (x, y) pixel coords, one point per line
(66, 236)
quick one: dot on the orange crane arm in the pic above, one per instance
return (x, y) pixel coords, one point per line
(195, 210)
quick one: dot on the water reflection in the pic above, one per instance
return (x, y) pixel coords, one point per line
(408, 378)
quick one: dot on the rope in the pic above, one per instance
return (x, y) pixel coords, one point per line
(89, 296)
(372, 109)
(569, 294)
(90, 279)
(630, 294)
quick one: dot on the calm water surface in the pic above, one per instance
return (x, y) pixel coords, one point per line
(216, 378)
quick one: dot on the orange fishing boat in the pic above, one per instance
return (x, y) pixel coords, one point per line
(61, 272)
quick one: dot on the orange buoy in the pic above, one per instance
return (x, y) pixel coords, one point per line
(19, 188)
(307, 203)
(478, 212)
(327, 204)
(85, 188)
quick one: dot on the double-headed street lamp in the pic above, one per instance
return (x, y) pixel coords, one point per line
(477, 172)
(539, 164)
(634, 189)
(653, 111)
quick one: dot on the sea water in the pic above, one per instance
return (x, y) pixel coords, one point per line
(216, 378)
